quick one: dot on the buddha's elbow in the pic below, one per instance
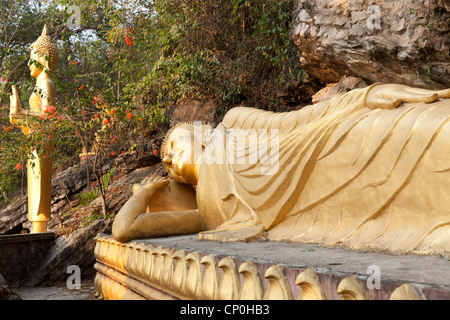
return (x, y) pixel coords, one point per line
(125, 218)
(119, 232)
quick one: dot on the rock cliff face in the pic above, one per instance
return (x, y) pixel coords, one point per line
(67, 183)
(401, 41)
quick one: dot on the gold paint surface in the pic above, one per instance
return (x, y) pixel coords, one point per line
(39, 167)
(218, 280)
(368, 169)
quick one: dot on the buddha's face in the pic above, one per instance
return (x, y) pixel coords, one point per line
(35, 68)
(179, 155)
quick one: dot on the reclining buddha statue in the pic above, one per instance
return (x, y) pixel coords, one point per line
(368, 169)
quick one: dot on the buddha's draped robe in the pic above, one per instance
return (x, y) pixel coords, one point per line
(372, 179)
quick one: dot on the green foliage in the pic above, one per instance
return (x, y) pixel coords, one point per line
(87, 197)
(107, 177)
(91, 218)
(227, 51)
(128, 60)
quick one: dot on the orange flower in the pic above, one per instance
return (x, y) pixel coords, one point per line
(105, 122)
(113, 153)
(81, 87)
(53, 115)
(19, 166)
(129, 115)
(49, 109)
(155, 152)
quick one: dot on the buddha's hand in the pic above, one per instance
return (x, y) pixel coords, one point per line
(151, 186)
(15, 107)
(390, 96)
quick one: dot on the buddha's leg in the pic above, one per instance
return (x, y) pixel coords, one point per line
(415, 96)
(445, 94)
(389, 96)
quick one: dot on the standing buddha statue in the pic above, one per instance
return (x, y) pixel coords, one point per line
(43, 60)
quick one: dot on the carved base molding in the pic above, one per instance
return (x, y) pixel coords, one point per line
(138, 270)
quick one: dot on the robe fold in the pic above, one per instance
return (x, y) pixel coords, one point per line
(371, 179)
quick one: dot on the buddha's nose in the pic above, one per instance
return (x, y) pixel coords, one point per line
(167, 160)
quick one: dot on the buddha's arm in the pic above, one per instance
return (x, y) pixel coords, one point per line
(135, 222)
(390, 96)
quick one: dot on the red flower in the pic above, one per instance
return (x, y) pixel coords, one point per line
(129, 115)
(19, 166)
(129, 40)
(113, 153)
(129, 36)
(81, 87)
(53, 115)
(49, 109)
(155, 152)
(105, 122)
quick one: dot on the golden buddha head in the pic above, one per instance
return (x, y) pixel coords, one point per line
(181, 152)
(45, 52)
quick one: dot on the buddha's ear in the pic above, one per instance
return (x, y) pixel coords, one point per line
(43, 59)
(39, 59)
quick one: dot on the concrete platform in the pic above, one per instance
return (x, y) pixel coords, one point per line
(85, 292)
(378, 274)
(426, 270)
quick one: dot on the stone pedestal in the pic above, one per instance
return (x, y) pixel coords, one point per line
(21, 254)
(185, 268)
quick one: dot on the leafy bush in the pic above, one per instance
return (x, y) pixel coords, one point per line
(232, 52)
(129, 60)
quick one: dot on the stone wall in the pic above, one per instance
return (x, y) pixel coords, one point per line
(399, 41)
(21, 254)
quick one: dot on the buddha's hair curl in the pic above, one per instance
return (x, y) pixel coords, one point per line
(168, 134)
(46, 47)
